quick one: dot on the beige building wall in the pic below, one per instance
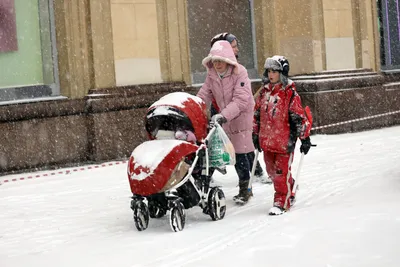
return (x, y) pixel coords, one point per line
(339, 39)
(135, 38)
(300, 38)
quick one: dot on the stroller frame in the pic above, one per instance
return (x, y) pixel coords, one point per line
(212, 199)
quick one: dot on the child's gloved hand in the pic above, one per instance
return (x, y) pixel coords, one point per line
(218, 118)
(305, 145)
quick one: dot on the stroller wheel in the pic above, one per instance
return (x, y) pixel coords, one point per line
(156, 212)
(216, 204)
(140, 214)
(177, 216)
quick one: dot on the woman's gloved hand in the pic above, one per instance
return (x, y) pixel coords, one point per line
(218, 118)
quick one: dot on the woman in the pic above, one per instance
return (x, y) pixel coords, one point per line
(259, 173)
(228, 83)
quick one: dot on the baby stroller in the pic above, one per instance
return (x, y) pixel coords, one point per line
(166, 174)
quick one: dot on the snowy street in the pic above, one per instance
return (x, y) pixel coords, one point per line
(347, 214)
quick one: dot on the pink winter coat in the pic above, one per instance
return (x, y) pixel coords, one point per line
(232, 94)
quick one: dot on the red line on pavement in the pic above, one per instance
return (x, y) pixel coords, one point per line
(63, 172)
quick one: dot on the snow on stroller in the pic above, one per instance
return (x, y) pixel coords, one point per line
(166, 174)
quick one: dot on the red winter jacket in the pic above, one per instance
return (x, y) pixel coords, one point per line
(279, 118)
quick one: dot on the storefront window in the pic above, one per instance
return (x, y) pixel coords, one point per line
(27, 50)
(208, 18)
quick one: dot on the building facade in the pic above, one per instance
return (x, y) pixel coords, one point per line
(314, 35)
(66, 48)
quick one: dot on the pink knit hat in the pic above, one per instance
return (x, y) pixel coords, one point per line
(221, 50)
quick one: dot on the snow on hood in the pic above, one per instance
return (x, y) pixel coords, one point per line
(176, 99)
(164, 110)
(150, 154)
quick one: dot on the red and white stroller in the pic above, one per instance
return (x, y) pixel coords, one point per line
(166, 174)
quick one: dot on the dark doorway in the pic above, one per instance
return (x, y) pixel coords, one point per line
(389, 29)
(208, 18)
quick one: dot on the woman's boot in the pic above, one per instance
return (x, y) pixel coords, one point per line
(244, 193)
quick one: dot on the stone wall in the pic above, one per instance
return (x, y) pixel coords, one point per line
(339, 96)
(106, 125)
(43, 133)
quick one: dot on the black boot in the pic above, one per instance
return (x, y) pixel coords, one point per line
(244, 193)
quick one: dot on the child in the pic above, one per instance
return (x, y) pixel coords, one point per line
(279, 120)
(170, 123)
(183, 135)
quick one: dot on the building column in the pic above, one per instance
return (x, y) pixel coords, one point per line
(294, 29)
(102, 48)
(173, 40)
(84, 46)
(265, 31)
(366, 37)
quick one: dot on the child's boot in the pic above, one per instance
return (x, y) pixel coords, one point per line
(276, 211)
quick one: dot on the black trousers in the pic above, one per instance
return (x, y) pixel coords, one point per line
(244, 163)
(243, 166)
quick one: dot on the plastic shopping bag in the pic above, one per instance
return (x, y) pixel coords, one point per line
(220, 149)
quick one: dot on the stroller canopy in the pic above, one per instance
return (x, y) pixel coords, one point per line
(177, 111)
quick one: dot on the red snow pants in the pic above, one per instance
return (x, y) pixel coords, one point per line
(278, 168)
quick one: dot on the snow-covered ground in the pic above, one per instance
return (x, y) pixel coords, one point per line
(347, 214)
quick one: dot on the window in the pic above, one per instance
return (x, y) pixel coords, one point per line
(29, 68)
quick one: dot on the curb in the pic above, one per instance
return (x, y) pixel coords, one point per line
(68, 171)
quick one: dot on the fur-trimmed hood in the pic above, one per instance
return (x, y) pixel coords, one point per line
(221, 50)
